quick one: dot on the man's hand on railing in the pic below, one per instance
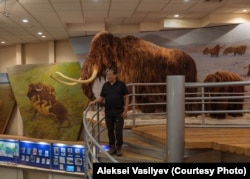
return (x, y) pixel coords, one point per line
(91, 103)
(98, 101)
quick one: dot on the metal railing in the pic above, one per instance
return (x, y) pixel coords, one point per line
(93, 148)
(201, 98)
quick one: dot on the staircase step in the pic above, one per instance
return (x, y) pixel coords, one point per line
(139, 136)
(138, 146)
(153, 133)
(139, 143)
(131, 157)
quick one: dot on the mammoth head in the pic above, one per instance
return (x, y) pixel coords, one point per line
(39, 87)
(34, 89)
(102, 54)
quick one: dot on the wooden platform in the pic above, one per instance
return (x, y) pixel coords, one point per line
(229, 139)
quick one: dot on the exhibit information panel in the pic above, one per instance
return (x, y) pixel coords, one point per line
(68, 158)
(35, 154)
(9, 150)
(55, 156)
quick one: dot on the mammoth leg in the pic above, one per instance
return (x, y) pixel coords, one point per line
(218, 106)
(236, 105)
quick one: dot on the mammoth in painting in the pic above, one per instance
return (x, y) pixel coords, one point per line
(240, 50)
(137, 61)
(218, 91)
(214, 52)
(43, 100)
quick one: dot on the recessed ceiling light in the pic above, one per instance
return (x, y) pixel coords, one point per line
(39, 33)
(176, 15)
(43, 36)
(25, 20)
(3, 42)
(244, 10)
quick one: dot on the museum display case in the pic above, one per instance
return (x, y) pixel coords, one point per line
(42, 154)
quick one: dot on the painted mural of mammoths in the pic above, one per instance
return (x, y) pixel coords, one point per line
(43, 101)
(137, 61)
(228, 50)
(214, 51)
(218, 91)
(237, 50)
(205, 51)
(43, 107)
(240, 50)
(46, 92)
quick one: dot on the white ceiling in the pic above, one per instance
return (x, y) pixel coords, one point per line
(62, 19)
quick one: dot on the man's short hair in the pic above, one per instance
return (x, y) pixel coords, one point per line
(113, 69)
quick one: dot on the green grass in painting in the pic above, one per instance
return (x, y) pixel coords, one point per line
(72, 97)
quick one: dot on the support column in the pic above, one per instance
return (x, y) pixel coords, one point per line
(175, 118)
(52, 52)
(19, 61)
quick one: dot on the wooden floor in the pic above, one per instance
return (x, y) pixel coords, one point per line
(229, 139)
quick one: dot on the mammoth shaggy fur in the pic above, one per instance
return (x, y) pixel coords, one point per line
(137, 61)
(226, 103)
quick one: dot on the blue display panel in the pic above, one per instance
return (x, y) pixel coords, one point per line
(56, 156)
(69, 158)
(9, 150)
(35, 154)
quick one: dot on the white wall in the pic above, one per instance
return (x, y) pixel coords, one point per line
(7, 58)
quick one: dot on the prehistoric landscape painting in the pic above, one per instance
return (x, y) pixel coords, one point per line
(49, 109)
(7, 102)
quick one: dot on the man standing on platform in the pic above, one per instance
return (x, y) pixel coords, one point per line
(114, 94)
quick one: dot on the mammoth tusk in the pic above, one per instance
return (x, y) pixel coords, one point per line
(63, 82)
(39, 89)
(74, 81)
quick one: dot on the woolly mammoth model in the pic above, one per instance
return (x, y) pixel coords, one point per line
(137, 61)
(217, 91)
